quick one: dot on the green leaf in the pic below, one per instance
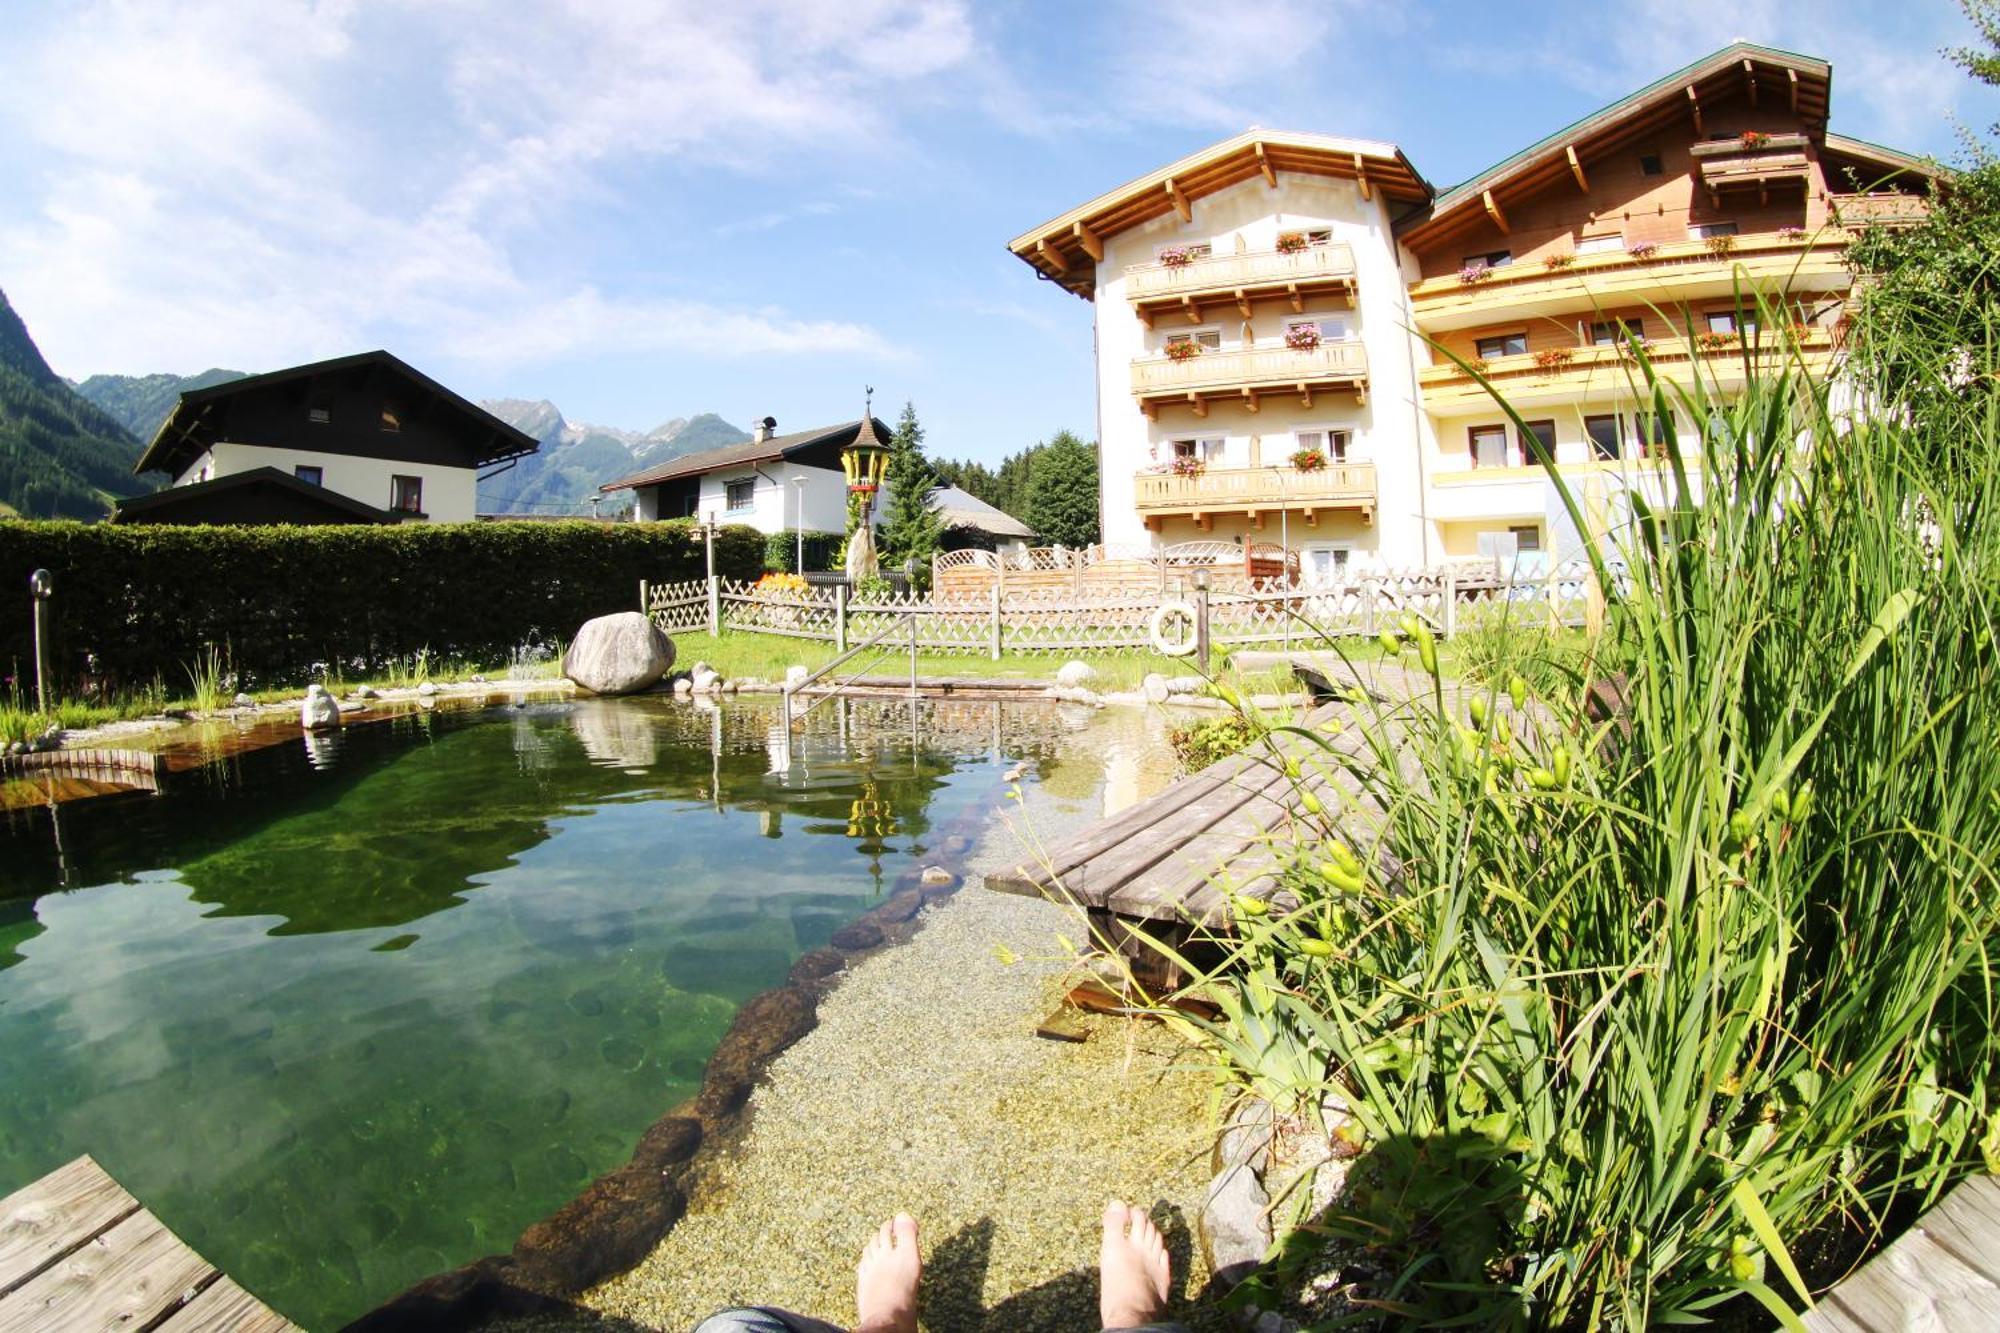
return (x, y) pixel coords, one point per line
(1752, 1208)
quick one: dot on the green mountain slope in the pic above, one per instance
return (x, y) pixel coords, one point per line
(576, 458)
(141, 402)
(61, 456)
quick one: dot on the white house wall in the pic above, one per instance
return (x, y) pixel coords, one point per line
(775, 500)
(449, 492)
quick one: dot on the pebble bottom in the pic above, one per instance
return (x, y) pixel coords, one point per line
(925, 1089)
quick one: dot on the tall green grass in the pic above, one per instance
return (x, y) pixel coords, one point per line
(1643, 1014)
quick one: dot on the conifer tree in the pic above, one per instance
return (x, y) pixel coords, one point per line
(911, 529)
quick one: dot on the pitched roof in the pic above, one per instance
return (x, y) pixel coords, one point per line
(340, 508)
(1064, 248)
(752, 452)
(504, 441)
(1805, 81)
(961, 509)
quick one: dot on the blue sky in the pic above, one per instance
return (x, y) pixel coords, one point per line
(645, 210)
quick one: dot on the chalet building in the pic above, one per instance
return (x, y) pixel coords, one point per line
(1274, 314)
(358, 439)
(774, 483)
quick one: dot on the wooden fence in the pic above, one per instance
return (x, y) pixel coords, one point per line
(1268, 614)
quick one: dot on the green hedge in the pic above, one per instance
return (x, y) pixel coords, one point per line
(137, 602)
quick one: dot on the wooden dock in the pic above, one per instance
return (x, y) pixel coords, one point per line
(78, 1254)
(1942, 1275)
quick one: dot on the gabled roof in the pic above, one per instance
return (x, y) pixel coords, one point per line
(177, 432)
(1874, 163)
(1066, 249)
(752, 452)
(337, 507)
(1804, 82)
(962, 509)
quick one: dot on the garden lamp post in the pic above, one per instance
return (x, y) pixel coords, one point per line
(42, 586)
(799, 524)
(865, 462)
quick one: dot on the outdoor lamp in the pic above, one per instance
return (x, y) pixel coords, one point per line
(42, 584)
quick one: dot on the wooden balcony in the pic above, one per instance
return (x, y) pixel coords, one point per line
(1778, 161)
(1197, 287)
(1671, 274)
(1855, 211)
(1257, 491)
(1246, 375)
(1610, 372)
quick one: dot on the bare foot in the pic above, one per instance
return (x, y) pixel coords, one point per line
(1132, 1265)
(885, 1281)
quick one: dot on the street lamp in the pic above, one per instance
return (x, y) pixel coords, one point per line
(799, 522)
(41, 586)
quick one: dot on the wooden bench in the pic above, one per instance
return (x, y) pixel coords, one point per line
(78, 1254)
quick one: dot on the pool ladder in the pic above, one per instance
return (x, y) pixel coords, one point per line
(791, 692)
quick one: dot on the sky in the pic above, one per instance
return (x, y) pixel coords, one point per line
(643, 209)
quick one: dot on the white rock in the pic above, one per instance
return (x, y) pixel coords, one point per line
(618, 654)
(364, 692)
(682, 685)
(1186, 684)
(429, 689)
(320, 710)
(1154, 687)
(936, 875)
(706, 680)
(795, 675)
(243, 701)
(1074, 674)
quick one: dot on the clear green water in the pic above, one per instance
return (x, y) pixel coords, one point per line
(347, 1019)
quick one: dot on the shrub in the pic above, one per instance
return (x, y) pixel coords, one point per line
(1212, 739)
(139, 602)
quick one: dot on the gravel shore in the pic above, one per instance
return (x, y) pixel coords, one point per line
(925, 1089)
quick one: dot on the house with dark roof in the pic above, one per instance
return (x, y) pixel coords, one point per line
(772, 482)
(357, 439)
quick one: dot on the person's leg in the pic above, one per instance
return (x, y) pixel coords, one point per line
(1134, 1272)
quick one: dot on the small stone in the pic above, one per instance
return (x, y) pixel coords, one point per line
(243, 701)
(1075, 674)
(938, 875)
(899, 908)
(683, 685)
(1185, 684)
(860, 935)
(320, 711)
(795, 676)
(364, 692)
(706, 680)
(816, 965)
(477, 680)
(17, 748)
(1154, 687)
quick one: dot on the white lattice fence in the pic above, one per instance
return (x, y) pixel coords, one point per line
(799, 613)
(678, 608)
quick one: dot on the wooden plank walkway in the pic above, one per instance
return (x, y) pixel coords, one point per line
(78, 1254)
(1942, 1275)
(128, 768)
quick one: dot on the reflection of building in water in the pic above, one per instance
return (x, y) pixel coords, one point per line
(616, 735)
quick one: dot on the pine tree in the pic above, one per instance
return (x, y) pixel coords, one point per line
(911, 529)
(1062, 491)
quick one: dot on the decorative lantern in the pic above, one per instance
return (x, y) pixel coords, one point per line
(866, 461)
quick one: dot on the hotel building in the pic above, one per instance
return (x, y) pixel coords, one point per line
(1277, 316)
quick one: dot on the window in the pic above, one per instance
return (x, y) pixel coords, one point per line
(1319, 236)
(1649, 164)
(1597, 245)
(1545, 431)
(1208, 450)
(1489, 446)
(1615, 332)
(311, 476)
(391, 417)
(1325, 565)
(1332, 443)
(1527, 537)
(319, 416)
(1651, 428)
(741, 494)
(1491, 259)
(1209, 340)
(1330, 328)
(406, 495)
(1503, 344)
(1701, 231)
(1605, 441)
(1728, 321)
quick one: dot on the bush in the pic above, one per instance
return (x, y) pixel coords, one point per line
(1211, 740)
(136, 603)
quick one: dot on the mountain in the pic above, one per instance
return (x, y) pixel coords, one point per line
(61, 456)
(576, 457)
(141, 402)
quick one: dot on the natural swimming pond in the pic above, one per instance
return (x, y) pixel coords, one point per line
(351, 1012)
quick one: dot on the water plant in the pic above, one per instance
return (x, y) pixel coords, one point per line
(1661, 985)
(210, 678)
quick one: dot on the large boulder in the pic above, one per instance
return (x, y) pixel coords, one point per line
(1075, 674)
(619, 654)
(320, 710)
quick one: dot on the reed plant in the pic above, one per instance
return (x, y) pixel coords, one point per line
(211, 680)
(1664, 999)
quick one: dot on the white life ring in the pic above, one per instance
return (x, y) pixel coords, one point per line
(1156, 629)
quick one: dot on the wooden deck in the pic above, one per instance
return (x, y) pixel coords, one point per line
(78, 1254)
(1942, 1275)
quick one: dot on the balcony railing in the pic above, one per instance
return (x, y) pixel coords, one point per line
(1854, 211)
(1252, 368)
(1609, 367)
(1335, 486)
(1214, 274)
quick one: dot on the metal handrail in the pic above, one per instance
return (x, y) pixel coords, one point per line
(791, 691)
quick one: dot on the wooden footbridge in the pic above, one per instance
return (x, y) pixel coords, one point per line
(79, 1254)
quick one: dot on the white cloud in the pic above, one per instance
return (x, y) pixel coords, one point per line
(254, 182)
